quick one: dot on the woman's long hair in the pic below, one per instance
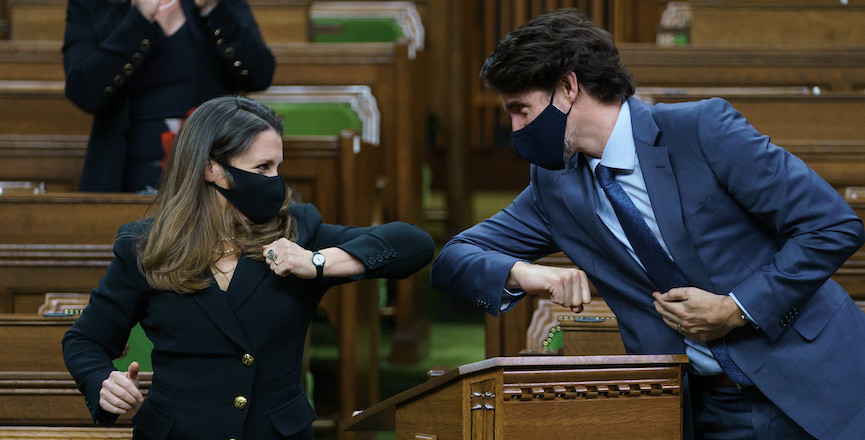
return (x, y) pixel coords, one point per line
(189, 224)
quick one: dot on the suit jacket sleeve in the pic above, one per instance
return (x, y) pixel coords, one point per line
(97, 68)
(818, 228)
(100, 333)
(391, 250)
(475, 264)
(234, 35)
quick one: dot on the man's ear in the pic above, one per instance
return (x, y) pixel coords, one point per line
(212, 171)
(571, 85)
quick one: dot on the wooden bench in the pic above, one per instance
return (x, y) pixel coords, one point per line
(39, 107)
(56, 160)
(831, 69)
(63, 433)
(37, 19)
(775, 24)
(31, 60)
(785, 114)
(58, 243)
(35, 388)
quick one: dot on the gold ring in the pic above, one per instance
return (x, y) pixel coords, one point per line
(277, 263)
(681, 332)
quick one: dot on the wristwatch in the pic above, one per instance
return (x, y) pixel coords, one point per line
(318, 261)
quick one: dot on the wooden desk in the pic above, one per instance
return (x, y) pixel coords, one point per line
(623, 397)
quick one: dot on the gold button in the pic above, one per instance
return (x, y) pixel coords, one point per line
(247, 359)
(145, 44)
(118, 79)
(219, 42)
(240, 402)
(109, 90)
(244, 72)
(238, 63)
(217, 32)
(136, 56)
(128, 68)
(229, 51)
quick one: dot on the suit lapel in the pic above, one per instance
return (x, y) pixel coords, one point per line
(578, 193)
(220, 306)
(247, 276)
(663, 192)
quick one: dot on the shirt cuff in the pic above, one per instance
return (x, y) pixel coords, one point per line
(510, 299)
(745, 313)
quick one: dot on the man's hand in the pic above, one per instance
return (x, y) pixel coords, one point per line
(120, 392)
(566, 287)
(702, 315)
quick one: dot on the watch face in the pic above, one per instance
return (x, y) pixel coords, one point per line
(317, 259)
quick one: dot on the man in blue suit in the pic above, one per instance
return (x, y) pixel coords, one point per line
(702, 236)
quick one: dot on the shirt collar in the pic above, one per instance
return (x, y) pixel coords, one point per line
(620, 152)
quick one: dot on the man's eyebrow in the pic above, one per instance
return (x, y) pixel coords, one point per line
(514, 104)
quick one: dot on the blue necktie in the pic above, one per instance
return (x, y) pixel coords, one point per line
(658, 265)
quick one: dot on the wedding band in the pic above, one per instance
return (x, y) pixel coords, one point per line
(271, 255)
(679, 327)
(276, 262)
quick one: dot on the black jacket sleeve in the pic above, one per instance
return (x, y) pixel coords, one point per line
(391, 250)
(100, 333)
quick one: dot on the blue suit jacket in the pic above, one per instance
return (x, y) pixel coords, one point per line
(738, 214)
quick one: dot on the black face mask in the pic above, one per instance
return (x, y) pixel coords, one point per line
(542, 141)
(258, 197)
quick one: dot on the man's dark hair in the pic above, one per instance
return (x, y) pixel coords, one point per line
(536, 55)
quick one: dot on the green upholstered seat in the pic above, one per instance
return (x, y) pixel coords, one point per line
(316, 118)
(139, 351)
(358, 30)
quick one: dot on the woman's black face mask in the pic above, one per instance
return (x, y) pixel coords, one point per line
(257, 197)
(542, 141)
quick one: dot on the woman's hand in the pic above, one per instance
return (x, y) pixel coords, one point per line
(120, 391)
(288, 258)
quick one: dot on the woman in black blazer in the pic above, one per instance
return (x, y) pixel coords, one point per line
(139, 66)
(224, 278)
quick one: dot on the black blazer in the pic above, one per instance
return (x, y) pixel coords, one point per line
(106, 42)
(201, 340)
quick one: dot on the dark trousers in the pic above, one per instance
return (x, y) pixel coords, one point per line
(727, 413)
